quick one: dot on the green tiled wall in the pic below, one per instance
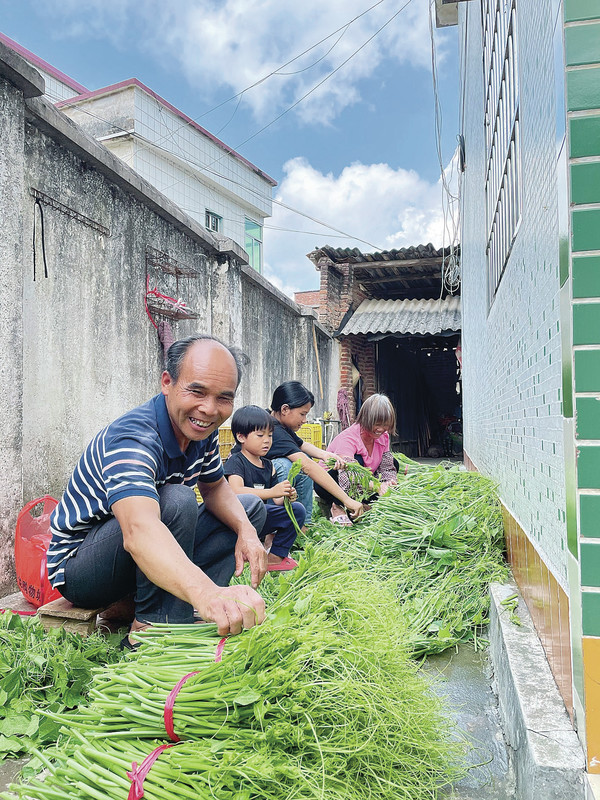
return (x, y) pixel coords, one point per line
(585, 136)
(582, 44)
(583, 89)
(588, 417)
(576, 10)
(590, 563)
(590, 602)
(589, 515)
(588, 467)
(585, 225)
(585, 179)
(586, 271)
(586, 323)
(587, 371)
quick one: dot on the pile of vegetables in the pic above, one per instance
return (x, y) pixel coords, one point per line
(41, 670)
(322, 701)
(437, 537)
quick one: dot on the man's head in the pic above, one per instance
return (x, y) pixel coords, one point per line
(199, 384)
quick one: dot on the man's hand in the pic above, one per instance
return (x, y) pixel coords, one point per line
(233, 608)
(249, 548)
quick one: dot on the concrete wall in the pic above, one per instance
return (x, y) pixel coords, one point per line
(79, 348)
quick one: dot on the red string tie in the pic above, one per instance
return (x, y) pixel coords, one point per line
(137, 776)
(171, 697)
(220, 648)
(169, 705)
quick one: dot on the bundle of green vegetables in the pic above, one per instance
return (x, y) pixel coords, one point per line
(322, 701)
(437, 537)
(41, 670)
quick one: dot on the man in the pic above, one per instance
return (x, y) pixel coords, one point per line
(129, 520)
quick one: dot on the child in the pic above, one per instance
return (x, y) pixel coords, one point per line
(249, 472)
(289, 407)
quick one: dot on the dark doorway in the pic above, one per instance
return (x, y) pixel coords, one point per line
(421, 376)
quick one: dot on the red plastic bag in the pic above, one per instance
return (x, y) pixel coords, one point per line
(32, 538)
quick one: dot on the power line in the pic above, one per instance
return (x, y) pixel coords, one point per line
(147, 144)
(283, 66)
(307, 94)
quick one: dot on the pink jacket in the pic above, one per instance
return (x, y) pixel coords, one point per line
(349, 442)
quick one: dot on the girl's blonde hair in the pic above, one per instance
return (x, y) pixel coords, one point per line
(377, 410)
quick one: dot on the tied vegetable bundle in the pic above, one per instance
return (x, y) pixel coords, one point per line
(437, 538)
(322, 701)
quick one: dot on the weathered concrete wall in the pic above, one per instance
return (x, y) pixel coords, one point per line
(267, 320)
(79, 347)
(14, 86)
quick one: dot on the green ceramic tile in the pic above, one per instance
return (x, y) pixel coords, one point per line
(584, 136)
(588, 467)
(586, 323)
(585, 182)
(588, 418)
(589, 515)
(583, 89)
(582, 44)
(590, 563)
(586, 276)
(590, 612)
(587, 370)
(570, 486)
(581, 9)
(585, 225)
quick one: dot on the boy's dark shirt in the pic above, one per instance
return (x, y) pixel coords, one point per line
(254, 477)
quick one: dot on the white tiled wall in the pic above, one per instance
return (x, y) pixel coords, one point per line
(511, 351)
(213, 179)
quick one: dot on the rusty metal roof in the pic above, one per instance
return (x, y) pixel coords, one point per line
(407, 317)
(410, 272)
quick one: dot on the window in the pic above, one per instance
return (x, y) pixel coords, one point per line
(254, 244)
(213, 222)
(503, 147)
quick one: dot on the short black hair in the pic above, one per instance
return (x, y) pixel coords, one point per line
(177, 352)
(291, 393)
(250, 418)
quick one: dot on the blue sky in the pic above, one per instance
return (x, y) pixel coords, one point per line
(358, 153)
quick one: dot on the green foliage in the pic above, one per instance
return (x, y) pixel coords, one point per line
(322, 701)
(41, 671)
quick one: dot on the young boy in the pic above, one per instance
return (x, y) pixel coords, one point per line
(249, 472)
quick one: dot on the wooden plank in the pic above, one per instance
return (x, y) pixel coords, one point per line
(63, 609)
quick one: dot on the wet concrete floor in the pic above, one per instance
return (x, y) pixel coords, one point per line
(464, 678)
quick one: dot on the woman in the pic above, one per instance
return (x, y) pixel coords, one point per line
(289, 408)
(367, 441)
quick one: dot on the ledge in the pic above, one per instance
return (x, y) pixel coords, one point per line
(547, 756)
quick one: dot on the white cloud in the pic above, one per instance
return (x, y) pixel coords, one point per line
(231, 44)
(389, 208)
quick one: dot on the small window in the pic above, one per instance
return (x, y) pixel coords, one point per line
(213, 222)
(253, 244)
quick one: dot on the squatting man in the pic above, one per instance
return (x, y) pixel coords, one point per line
(129, 521)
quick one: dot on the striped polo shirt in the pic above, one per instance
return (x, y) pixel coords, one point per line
(132, 457)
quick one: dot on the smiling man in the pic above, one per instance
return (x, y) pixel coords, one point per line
(129, 520)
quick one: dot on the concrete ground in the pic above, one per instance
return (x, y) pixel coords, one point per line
(464, 678)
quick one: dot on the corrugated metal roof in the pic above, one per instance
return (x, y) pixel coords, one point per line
(353, 255)
(411, 317)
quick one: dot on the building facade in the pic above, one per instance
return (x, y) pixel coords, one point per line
(206, 178)
(530, 261)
